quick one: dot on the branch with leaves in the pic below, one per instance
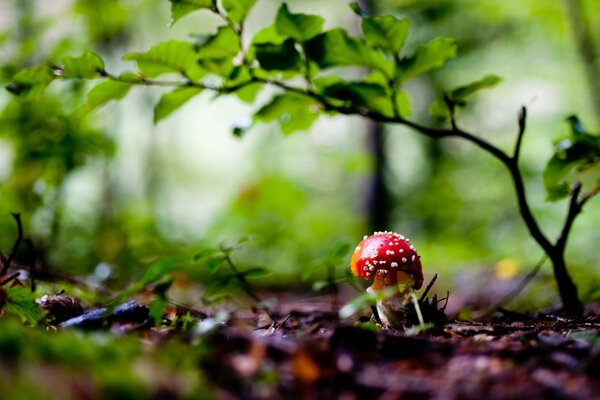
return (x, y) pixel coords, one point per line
(294, 56)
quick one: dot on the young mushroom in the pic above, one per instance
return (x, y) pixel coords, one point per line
(394, 264)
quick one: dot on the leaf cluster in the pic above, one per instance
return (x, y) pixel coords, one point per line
(293, 47)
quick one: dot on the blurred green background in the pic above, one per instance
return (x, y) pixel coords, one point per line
(105, 197)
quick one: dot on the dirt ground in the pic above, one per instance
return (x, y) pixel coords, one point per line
(313, 355)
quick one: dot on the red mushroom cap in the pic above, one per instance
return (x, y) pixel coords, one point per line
(386, 253)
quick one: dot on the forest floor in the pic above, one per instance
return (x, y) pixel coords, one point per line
(312, 354)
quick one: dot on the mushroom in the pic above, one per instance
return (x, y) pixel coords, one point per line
(393, 262)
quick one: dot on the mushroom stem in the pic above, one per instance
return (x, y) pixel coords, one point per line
(392, 291)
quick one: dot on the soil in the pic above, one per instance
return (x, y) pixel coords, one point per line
(313, 355)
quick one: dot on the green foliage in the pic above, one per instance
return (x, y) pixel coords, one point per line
(576, 159)
(336, 48)
(86, 66)
(31, 80)
(299, 27)
(293, 45)
(222, 45)
(371, 96)
(104, 20)
(170, 102)
(293, 112)
(106, 91)
(283, 57)
(180, 8)
(237, 10)
(20, 301)
(459, 94)
(457, 97)
(229, 274)
(173, 56)
(431, 56)
(156, 271)
(385, 32)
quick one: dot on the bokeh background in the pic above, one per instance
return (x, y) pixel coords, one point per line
(105, 198)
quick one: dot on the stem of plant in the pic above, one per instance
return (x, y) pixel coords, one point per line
(415, 301)
(248, 288)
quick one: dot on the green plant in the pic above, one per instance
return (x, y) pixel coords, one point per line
(225, 272)
(294, 55)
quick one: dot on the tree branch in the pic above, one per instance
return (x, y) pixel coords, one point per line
(522, 121)
(574, 209)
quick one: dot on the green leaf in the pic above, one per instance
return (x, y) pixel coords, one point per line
(106, 91)
(280, 57)
(214, 262)
(463, 91)
(403, 104)
(386, 32)
(335, 48)
(439, 110)
(180, 8)
(554, 177)
(270, 34)
(249, 92)
(257, 272)
(170, 102)
(431, 56)
(86, 66)
(31, 80)
(156, 271)
(292, 111)
(237, 10)
(168, 57)
(157, 309)
(367, 95)
(223, 44)
(218, 285)
(21, 302)
(354, 6)
(205, 253)
(576, 159)
(299, 27)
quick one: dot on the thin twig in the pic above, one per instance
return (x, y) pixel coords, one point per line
(522, 125)
(429, 286)
(574, 210)
(10, 278)
(451, 110)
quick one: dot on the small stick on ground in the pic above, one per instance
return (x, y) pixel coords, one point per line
(428, 288)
